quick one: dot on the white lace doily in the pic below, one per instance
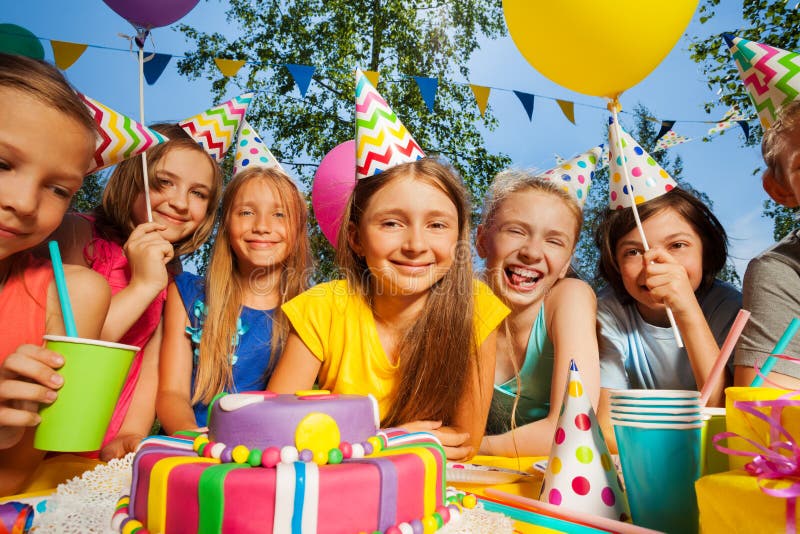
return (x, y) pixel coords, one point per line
(478, 520)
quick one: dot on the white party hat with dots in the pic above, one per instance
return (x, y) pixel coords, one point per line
(580, 474)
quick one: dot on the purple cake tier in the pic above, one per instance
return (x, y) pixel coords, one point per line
(263, 419)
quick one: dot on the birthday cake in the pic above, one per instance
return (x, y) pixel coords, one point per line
(311, 462)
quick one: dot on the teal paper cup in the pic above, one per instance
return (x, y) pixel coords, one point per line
(660, 463)
(94, 372)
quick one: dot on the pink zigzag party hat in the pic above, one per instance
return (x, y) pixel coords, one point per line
(119, 137)
(771, 75)
(648, 179)
(381, 139)
(580, 473)
(576, 174)
(215, 128)
(251, 150)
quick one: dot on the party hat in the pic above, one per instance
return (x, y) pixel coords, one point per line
(576, 175)
(119, 137)
(580, 474)
(251, 150)
(771, 75)
(216, 128)
(648, 179)
(381, 139)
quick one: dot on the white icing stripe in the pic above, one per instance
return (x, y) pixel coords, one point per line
(311, 500)
(284, 497)
(234, 401)
(415, 437)
(375, 411)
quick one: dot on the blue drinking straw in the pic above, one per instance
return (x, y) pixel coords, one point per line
(783, 342)
(63, 294)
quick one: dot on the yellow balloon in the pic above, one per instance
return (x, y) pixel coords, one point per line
(596, 47)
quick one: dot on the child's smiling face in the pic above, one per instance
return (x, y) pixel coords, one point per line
(44, 155)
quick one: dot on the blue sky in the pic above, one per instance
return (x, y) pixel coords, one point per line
(674, 90)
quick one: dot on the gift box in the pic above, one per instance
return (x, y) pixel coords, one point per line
(733, 502)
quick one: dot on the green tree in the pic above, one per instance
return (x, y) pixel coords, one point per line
(90, 194)
(644, 131)
(398, 38)
(775, 22)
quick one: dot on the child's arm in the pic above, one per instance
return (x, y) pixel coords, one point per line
(669, 283)
(296, 369)
(142, 410)
(570, 316)
(174, 398)
(89, 296)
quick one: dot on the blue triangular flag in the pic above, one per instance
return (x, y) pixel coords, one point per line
(665, 127)
(302, 76)
(745, 128)
(154, 66)
(428, 88)
(527, 102)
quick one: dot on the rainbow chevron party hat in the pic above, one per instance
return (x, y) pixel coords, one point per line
(381, 139)
(119, 137)
(576, 175)
(771, 75)
(580, 474)
(215, 128)
(648, 179)
(251, 150)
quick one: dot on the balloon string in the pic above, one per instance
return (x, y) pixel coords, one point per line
(613, 107)
(140, 42)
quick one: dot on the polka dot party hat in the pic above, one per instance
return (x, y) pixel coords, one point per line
(119, 137)
(648, 179)
(215, 128)
(770, 75)
(580, 474)
(381, 139)
(576, 175)
(251, 150)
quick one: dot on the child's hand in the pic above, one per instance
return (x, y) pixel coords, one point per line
(667, 280)
(148, 254)
(120, 446)
(454, 443)
(27, 378)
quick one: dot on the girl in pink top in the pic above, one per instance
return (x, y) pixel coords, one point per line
(138, 258)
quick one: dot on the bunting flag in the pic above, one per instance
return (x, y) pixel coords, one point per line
(372, 76)
(575, 176)
(215, 128)
(229, 67)
(119, 136)
(559, 159)
(770, 75)
(669, 140)
(648, 179)
(568, 109)
(527, 102)
(481, 97)
(745, 128)
(251, 150)
(302, 75)
(381, 139)
(665, 127)
(428, 88)
(154, 66)
(66, 53)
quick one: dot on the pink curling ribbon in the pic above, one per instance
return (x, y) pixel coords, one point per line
(780, 460)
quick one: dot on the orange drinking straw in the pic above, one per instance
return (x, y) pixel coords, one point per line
(722, 359)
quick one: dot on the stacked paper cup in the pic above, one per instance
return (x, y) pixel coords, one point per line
(659, 437)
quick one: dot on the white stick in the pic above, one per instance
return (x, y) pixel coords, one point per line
(646, 247)
(141, 121)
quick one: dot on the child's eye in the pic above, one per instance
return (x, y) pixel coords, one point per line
(390, 224)
(679, 245)
(438, 225)
(279, 214)
(200, 194)
(632, 252)
(163, 182)
(245, 213)
(61, 192)
(556, 242)
(4, 166)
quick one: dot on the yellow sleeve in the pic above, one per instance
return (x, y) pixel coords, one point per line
(311, 314)
(489, 311)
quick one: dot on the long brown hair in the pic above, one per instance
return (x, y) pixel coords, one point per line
(439, 350)
(115, 214)
(225, 286)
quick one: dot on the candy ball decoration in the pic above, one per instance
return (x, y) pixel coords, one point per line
(317, 433)
(333, 182)
(149, 14)
(596, 48)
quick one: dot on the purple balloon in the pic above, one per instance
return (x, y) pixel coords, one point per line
(149, 14)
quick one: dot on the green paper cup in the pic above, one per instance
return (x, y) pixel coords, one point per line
(94, 372)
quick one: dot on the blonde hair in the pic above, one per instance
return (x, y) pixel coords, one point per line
(775, 138)
(438, 351)
(225, 288)
(115, 214)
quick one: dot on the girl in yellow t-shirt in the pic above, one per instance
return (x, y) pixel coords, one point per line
(408, 324)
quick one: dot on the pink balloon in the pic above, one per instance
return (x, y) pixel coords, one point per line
(333, 182)
(149, 14)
